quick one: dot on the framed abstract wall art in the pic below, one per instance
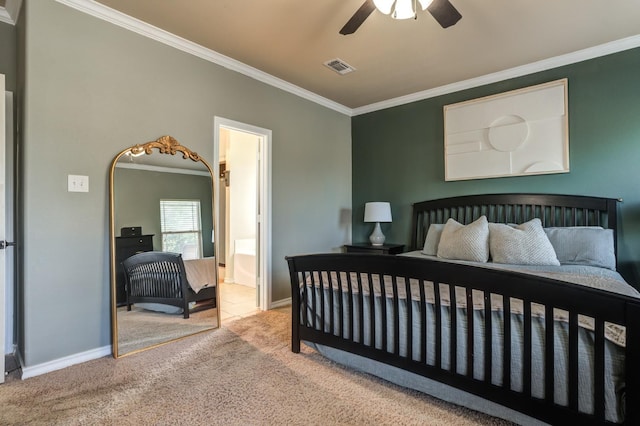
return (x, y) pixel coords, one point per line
(517, 133)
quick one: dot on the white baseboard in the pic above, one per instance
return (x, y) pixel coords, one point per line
(280, 303)
(60, 363)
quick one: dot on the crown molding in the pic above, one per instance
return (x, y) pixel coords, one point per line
(543, 65)
(105, 13)
(10, 12)
(5, 17)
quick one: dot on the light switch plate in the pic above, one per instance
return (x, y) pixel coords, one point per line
(78, 183)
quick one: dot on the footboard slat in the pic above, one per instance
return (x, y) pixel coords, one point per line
(304, 303)
(372, 305)
(331, 305)
(549, 347)
(341, 304)
(488, 338)
(314, 305)
(423, 324)
(438, 312)
(361, 310)
(383, 309)
(599, 371)
(470, 332)
(409, 322)
(526, 352)
(453, 330)
(573, 360)
(506, 359)
(350, 307)
(396, 317)
(632, 367)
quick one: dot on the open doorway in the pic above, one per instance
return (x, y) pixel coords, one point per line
(242, 162)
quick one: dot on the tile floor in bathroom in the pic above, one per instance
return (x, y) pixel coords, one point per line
(236, 301)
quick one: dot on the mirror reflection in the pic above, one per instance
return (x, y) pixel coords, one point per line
(163, 252)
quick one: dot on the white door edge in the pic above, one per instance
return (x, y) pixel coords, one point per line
(2, 227)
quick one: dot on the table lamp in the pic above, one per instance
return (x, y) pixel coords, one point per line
(377, 212)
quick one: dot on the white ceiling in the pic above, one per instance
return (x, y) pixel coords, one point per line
(291, 39)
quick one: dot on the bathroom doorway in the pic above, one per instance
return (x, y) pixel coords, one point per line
(242, 159)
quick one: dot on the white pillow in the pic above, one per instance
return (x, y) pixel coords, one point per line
(433, 239)
(465, 242)
(525, 244)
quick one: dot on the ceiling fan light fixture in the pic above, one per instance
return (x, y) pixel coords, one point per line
(384, 6)
(401, 9)
(404, 10)
(442, 11)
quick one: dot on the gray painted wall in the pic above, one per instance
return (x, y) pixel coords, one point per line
(138, 194)
(92, 89)
(8, 55)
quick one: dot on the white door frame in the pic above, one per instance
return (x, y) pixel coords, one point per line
(2, 227)
(264, 198)
(9, 235)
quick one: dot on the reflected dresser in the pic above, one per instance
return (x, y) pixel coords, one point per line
(125, 248)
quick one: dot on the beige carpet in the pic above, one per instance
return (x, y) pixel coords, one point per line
(140, 328)
(241, 374)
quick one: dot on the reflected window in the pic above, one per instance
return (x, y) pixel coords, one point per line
(181, 227)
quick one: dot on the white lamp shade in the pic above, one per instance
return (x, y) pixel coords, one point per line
(377, 212)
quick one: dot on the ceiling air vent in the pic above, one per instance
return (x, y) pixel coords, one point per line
(339, 66)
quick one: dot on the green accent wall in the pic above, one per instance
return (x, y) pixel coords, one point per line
(398, 153)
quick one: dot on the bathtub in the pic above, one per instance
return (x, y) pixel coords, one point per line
(244, 262)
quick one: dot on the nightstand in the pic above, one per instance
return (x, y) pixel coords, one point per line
(368, 248)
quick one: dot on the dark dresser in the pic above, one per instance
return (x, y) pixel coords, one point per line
(125, 248)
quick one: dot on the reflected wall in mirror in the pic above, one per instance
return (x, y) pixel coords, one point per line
(164, 271)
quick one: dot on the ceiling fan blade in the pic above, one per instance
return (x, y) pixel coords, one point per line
(358, 18)
(444, 13)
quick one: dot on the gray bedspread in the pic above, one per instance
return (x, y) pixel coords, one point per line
(335, 289)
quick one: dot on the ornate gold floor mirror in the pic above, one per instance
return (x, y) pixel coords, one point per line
(164, 269)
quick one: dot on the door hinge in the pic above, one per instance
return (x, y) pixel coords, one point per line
(5, 244)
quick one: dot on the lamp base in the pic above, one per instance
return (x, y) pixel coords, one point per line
(377, 237)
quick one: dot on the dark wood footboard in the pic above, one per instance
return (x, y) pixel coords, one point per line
(334, 294)
(160, 277)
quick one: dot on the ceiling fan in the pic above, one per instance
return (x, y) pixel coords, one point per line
(442, 10)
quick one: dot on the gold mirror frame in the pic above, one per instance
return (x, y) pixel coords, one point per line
(163, 145)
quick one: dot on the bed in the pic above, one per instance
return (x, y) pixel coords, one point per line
(534, 343)
(162, 281)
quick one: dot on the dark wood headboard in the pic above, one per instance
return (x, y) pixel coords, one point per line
(552, 209)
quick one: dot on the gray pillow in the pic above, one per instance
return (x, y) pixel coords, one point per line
(524, 244)
(433, 239)
(592, 246)
(465, 242)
